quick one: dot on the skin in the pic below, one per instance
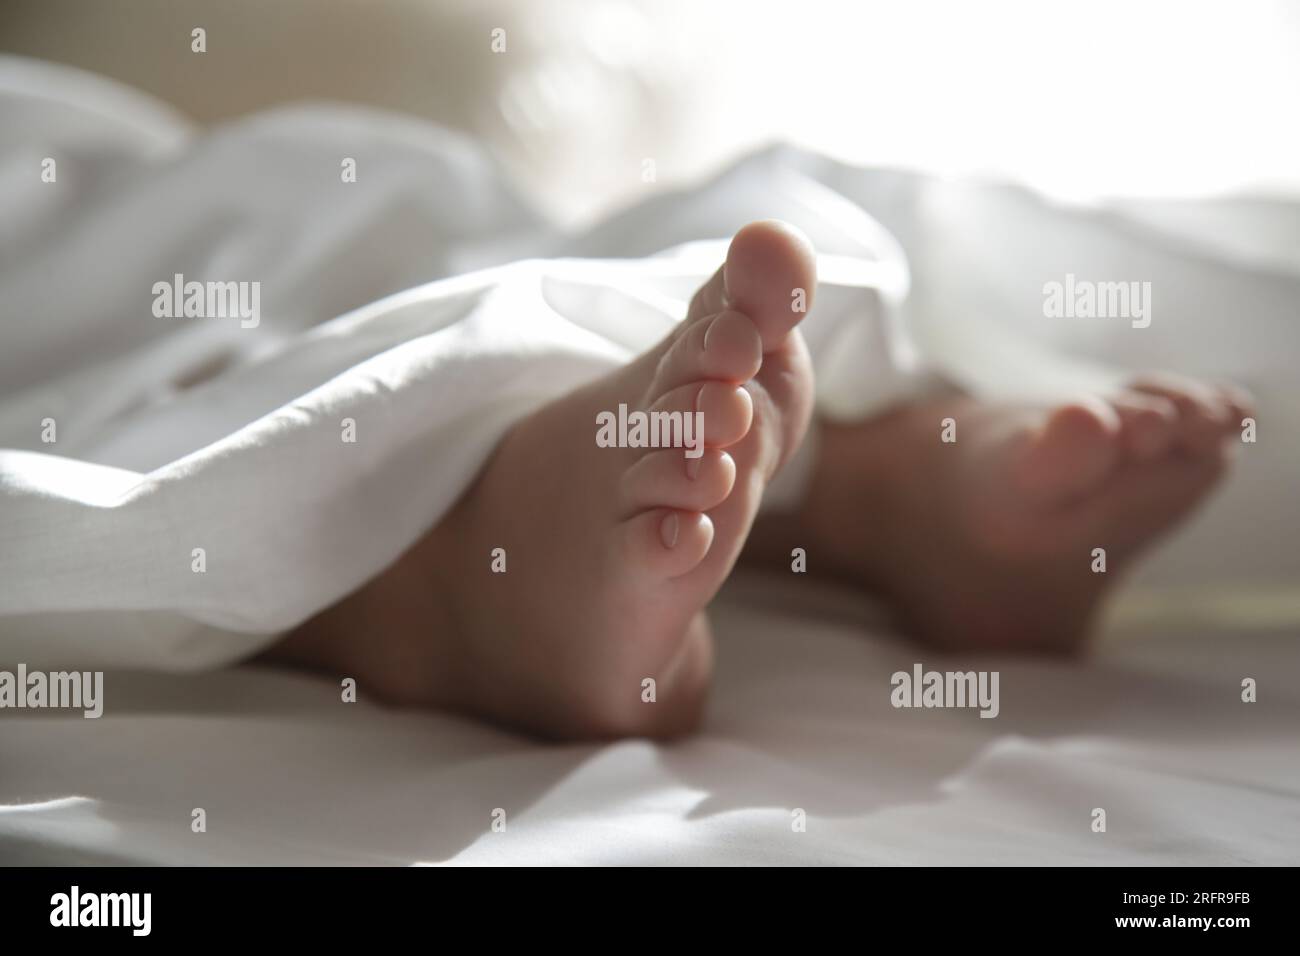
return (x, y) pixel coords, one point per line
(614, 553)
(986, 543)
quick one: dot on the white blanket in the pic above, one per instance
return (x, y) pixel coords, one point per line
(182, 488)
(176, 434)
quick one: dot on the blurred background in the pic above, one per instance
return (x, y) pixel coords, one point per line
(1080, 100)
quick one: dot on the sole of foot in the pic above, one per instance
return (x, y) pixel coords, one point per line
(990, 541)
(610, 553)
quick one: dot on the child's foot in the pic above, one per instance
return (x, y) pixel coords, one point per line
(988, 541)
(611, 554)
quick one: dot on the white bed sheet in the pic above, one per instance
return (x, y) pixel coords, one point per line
(1153, 731)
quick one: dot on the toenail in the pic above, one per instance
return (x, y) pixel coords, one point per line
(693, 467)
(709, 330)
(668, 530)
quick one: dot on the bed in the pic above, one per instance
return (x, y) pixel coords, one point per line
(801, 759)
(1152, 730)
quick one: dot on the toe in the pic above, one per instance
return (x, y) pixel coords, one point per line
(664, 542)
(1075, 450)
(667, 478)
(770, 275)
(1149, 424)
(724, 347)
(1202, 413)
(728, 410)
(1241, 404)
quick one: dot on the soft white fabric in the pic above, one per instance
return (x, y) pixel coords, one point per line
(176, 434)
(1152, 731)
(249, 464)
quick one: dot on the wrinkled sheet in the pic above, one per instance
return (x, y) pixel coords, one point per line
(1152, 731)
(430, 305)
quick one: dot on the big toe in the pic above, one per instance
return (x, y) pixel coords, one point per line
(770, 275)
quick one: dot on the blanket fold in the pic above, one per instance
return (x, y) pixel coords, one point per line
(179, 488)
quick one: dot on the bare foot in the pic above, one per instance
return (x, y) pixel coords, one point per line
(611, 553)
(987, 542)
